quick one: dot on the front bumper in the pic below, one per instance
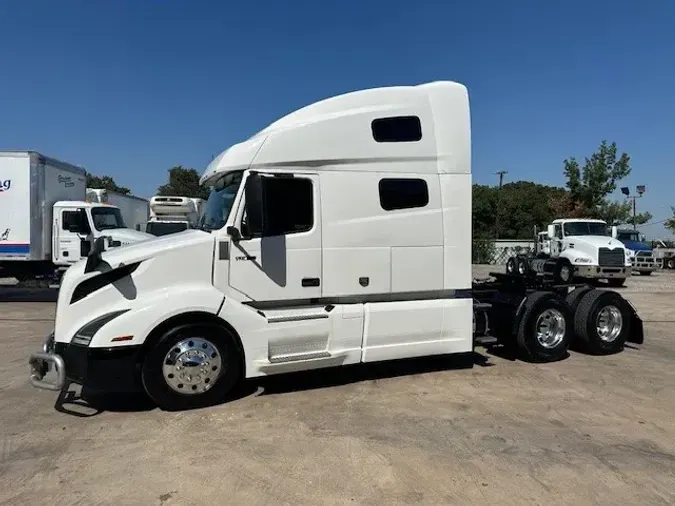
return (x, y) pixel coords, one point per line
(103, 369)
(600, 272)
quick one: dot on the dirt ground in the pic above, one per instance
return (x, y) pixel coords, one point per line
(587, 430)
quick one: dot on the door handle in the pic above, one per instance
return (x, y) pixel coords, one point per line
(311, 282)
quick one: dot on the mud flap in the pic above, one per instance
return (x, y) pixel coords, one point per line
(637, 333)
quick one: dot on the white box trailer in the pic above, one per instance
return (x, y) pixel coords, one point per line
(170, 214)
(135, 210)
(45, 223)
(290, 275)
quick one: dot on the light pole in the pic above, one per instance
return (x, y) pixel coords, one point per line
(640, 189)
(500, 173)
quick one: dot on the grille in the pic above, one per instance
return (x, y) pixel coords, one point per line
(644, 255)
(611, 257)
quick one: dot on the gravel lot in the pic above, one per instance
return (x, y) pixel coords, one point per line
(587, 430)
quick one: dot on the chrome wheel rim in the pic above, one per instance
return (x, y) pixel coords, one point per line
(510, 266)
(565, 273)
(521, 268)
(192, 366)
(550, 328)
(609, 323)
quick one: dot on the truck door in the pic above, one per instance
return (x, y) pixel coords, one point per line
(556, 242)
(71, 230)
(283, 262)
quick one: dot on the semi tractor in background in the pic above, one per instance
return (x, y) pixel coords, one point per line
(135, 210)
(639, 252)
(572, 249)
(46, 221)
(171, 214)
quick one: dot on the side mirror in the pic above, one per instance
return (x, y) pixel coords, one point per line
(234, 233)
(550, 230)
(94, 258)
(615, 232)
(643, 238)
(255, 203)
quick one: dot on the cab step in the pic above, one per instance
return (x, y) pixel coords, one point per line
(297, 357)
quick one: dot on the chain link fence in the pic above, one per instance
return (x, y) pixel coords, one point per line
(497, 252)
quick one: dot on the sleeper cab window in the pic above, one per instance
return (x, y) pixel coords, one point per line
(397, 129)
(403, 193)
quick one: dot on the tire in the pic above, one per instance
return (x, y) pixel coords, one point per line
(588, 318)
(522, 266)
(573, 298)
(511, 265)
(670, 263)
(549, 348)
(616, 282)
(645, 273)
(213, 345)
(564, 272)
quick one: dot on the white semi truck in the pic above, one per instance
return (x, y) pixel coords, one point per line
(580, 249)
(290, 275)
(135, 210)
(46, 224)
(171, 214)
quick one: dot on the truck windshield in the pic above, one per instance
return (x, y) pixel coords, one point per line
(106, 218)
(629, 236)
(165, 227)
(585, 228)
(219, 203)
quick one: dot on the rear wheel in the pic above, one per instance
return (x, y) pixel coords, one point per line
(522, 266)
(573, 298)
(602, 322)
(511, 265)
(191, 366)
(670, 263)
(545, 328)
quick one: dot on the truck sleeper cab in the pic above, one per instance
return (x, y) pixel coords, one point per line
(348, 240)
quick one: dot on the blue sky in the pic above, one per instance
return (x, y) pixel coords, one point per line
(131, 88)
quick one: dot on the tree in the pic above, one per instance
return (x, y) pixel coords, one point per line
(597, 179)
(183, 182)
(520, 205)
(105, 182)
(670, 222)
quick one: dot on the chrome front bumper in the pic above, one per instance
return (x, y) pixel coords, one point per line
(41, 363)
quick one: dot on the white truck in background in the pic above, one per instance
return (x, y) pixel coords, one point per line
(290, 275)
(170, 214)
(46, 224)
(575, 249)
(135, 210)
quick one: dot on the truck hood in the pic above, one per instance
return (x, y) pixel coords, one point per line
(596, 241)
(127, 235)
(145, 249)
(636, 246)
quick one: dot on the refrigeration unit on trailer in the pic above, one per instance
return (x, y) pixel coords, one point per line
(135, 210)
(348, 241)
(46, 224)
(171, 214)
(575, 249)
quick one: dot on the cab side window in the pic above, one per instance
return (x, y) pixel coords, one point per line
(288, 207)
(75, 220)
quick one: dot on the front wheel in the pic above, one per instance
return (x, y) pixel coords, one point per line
(645, 273)
(191, 366)
(616, 282)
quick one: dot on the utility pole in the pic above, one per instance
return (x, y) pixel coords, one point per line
(500, 173)
(640, 189)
